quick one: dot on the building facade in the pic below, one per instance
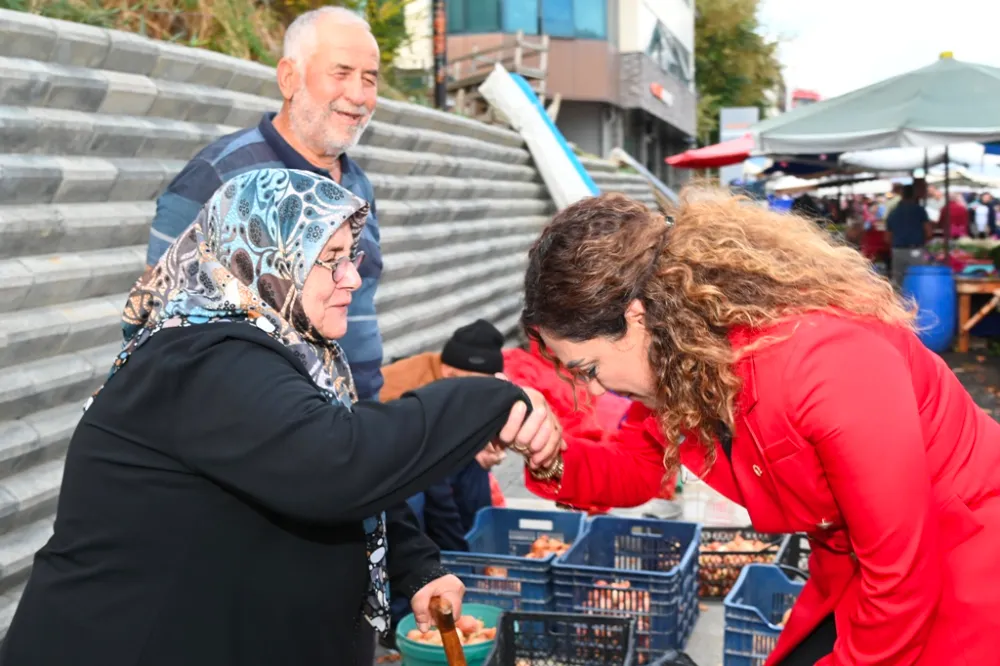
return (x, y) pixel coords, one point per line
(624, 69)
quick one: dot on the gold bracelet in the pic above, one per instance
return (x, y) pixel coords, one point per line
(554, 472)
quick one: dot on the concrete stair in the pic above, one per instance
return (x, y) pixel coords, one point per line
(93, 126)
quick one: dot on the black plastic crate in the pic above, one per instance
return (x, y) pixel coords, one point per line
(718, 570)
(563, 639)
(794, 555)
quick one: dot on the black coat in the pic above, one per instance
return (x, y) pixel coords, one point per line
(212, 502)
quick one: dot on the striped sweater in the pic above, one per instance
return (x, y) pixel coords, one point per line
(263, 147)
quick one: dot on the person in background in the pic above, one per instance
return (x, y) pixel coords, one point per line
(450, 506)
(955, 218)
(984, 217)
(895, 196)
(223, 494)
(475, 349)
(772, 362)
(907, 230)
(328, 76)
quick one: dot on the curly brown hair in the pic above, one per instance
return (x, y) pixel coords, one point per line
(722, 262)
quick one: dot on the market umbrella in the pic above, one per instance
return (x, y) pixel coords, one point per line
(947, 102)
(714, 156)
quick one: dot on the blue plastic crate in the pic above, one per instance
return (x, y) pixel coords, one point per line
(633, 567)
(754, 608)
(496, 571)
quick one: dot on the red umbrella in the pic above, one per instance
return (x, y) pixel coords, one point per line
(710, 157)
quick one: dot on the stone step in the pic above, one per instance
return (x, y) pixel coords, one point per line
(32, 83)
(29, 494)
(17, 551)
(595, 166)
(43, 179)
(29, 335)
(36, 281)
(502, 311)
(38, 437)
(41, 131)
(395, 162)
(8, 605)
(381, 133)
(430, 236)
(462, 297)
(446, 257)
(620, 180)
(426, 289)
(391, 150)
(58, 380)
(422, 117)
(417, 212)
(407, 188)
(46, 229)
(26, 35)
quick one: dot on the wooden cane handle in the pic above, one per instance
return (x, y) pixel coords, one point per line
(444, 619)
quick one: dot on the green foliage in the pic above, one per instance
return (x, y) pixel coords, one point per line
(248, 29)
(734, 64)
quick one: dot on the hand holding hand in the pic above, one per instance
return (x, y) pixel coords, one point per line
(449, 588)
(538, 437)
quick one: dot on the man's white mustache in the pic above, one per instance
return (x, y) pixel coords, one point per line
(357, 111)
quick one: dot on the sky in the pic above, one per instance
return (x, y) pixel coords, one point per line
(836, 47)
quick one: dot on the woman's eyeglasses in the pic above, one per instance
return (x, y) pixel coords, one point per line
(338, 267)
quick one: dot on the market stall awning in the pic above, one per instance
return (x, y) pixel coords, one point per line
(944, 103)
(712, 157)
(908, 159)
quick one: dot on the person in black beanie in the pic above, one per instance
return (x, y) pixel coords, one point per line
(474, 349)
(449, 508)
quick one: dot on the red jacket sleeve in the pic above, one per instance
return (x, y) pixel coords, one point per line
(851, 395)
(622, 469)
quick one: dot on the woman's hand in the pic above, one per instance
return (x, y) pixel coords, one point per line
(538, 436)
(449, 588)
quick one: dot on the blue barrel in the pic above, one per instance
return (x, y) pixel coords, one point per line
(933, 287)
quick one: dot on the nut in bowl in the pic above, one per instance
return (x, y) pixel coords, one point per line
(476, 629)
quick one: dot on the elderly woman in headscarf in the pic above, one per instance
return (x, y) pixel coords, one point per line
(223, 502)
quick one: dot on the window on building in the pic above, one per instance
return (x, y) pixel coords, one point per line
(456, 16)
(667, 52)
(590, 19)
(573, 19)
(557, 18)
(482, 15)
(520, 15)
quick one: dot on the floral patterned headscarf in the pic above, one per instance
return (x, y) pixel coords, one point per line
(245, 259)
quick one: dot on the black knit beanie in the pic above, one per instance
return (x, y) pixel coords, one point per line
(475, 348)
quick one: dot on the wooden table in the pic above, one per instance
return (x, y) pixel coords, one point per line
(966, 287)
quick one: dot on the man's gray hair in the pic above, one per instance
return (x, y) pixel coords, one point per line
(300, 36)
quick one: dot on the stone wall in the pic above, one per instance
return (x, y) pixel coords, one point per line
(95, 123)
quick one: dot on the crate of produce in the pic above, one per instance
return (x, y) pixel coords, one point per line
(563, 639)
(794, 555)
(756, 610)
(639, 568)
(723, 553)
(511, 552)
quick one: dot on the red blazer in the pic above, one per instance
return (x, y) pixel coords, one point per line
(853, 432)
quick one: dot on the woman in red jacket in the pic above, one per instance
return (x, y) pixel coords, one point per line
(781, 369)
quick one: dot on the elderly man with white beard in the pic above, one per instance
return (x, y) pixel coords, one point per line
(328, 77)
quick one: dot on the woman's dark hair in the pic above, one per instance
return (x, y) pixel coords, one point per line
(580, 280)
(723, 262)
